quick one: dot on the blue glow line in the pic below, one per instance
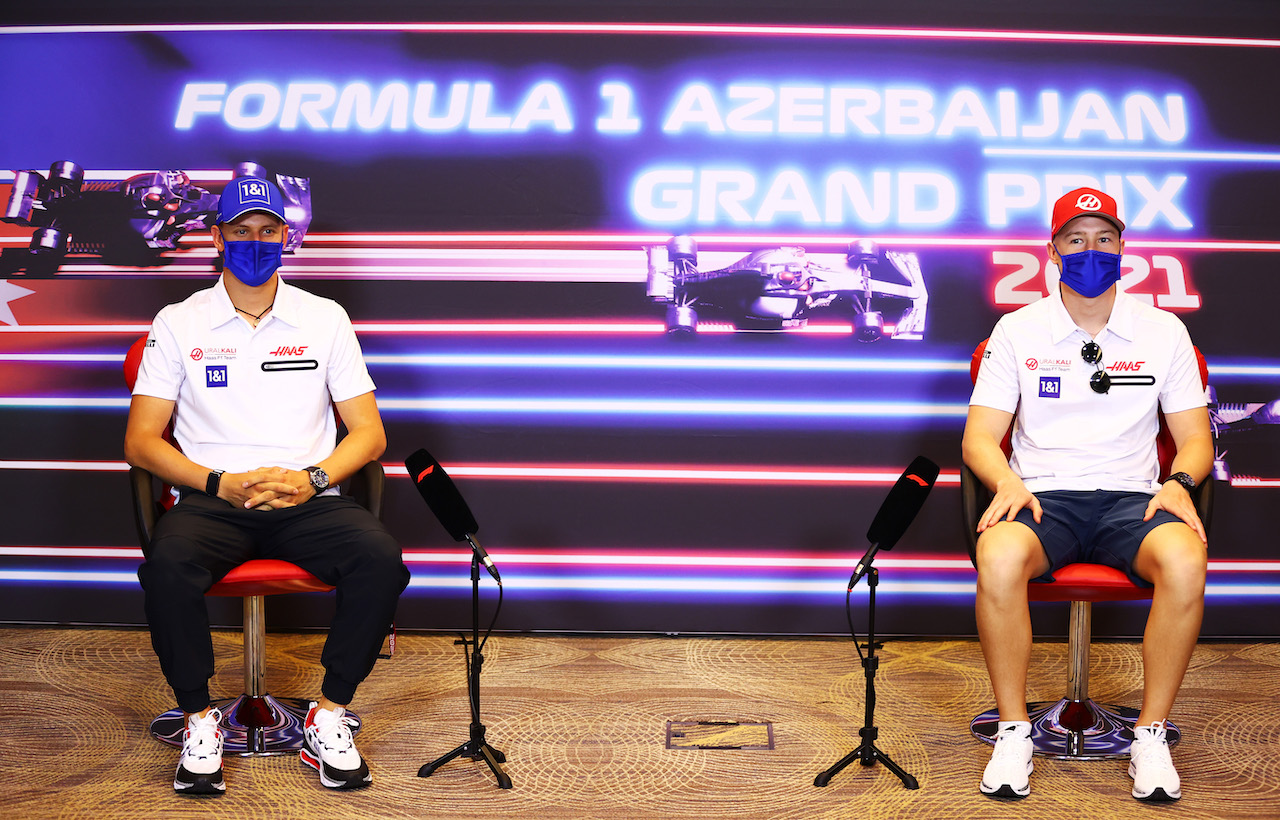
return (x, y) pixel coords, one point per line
(681, 407)
(653, 585)
(1205, 156)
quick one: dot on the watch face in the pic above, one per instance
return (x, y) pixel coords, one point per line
(319, 478)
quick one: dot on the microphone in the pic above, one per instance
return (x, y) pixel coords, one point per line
(438, 490)
(897, 512)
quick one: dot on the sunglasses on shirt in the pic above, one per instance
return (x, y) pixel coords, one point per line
(1101, 381)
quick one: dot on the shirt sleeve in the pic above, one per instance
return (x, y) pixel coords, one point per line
(348, 376)
(161, 371)
(997, 382)
(1183, 390)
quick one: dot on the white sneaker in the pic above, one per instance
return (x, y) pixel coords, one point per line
(200, 767)
(329, 748)
(1150, 766)
(1010, 767)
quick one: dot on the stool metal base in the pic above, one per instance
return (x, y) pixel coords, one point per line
(251, 726)
(1075, 729)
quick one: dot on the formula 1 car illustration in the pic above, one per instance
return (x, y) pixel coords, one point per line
(882, 293)
(1251, 428)
(130, 221)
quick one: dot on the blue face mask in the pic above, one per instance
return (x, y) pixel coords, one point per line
(1090, 273)
(252, 261)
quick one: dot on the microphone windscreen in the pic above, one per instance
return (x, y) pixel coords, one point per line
(441, 495)
(903, 502)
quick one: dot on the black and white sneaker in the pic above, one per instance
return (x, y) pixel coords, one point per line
(329, 748)
(200, 767)
(1008, 772)
(1150, 765)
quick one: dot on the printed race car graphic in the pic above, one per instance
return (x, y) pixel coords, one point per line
(882, 293)
(132, 221)
(1251, 429)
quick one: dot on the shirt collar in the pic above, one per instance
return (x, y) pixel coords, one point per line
(1121, 322)
(285, 308)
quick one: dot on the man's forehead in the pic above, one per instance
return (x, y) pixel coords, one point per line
(1086, 223)
(255, 217)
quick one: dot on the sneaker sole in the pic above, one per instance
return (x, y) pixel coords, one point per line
(1005, 792)
(200, 788)
(329, 783)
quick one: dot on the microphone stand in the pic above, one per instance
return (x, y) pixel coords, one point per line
(475, 747)
(867, 753)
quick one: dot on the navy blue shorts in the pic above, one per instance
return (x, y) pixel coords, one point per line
(1093, 527)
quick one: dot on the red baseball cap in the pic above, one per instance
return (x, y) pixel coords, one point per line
(1084, 202)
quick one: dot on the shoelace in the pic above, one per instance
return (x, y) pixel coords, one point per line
(1009, 748)
(204, 731)
(1153, 751)
(336, 734)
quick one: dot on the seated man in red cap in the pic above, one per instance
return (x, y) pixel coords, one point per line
(249, 371)
(1082, 484)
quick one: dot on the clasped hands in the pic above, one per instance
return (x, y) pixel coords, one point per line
(267, 488)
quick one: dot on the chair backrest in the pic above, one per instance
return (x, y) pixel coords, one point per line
(974, 497)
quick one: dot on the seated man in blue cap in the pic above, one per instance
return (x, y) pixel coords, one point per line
(1083, 483)
(250, 371)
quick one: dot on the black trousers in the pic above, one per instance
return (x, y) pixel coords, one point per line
(203, 538)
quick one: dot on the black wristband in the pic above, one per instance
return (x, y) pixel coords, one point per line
(211, 485)
(1188, 483)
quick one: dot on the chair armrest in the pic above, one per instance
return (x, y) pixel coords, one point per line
(146, 506)
(366, 487)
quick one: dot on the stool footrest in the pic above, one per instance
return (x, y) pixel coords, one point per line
(1074, 729)
(251, 726)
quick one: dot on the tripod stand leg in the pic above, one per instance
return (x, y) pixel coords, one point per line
(825, 777)
(493, 757)
(907, 780)
(429, 768)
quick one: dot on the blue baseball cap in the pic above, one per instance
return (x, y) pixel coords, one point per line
(245, 194)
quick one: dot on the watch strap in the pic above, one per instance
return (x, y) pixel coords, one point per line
(211, 484)
(1188, 483)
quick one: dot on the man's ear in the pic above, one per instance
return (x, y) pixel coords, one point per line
(1053, 254)
(216, 233)
(284, 233)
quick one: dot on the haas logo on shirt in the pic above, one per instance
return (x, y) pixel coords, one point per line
(287, 350)
(1122, 366)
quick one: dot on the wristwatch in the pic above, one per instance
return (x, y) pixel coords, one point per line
(319, 479)
(1188, 483)
(211, 484)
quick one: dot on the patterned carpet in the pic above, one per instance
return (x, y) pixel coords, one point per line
(582, 721)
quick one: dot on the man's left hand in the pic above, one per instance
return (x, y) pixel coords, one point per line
(278, 487)
(1174, 498)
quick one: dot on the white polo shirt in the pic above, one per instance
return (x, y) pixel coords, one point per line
(251, 397)
(1066, 436)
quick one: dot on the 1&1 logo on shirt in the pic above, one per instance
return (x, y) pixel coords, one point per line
(1050, 387)
(215, 375)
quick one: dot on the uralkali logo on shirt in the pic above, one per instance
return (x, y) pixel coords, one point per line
(212, 353)
(1048, 364)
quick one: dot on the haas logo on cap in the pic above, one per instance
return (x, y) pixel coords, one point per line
(1089, 202)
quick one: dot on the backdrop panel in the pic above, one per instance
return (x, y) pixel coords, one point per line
(656, 433)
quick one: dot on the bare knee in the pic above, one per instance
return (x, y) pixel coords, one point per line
(1008, 556)
(1174, 558)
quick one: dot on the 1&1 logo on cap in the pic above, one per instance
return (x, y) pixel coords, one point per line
(253, 190)
(215, 375)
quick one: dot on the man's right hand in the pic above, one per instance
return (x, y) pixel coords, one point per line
(1011, 496)
(256, 489)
